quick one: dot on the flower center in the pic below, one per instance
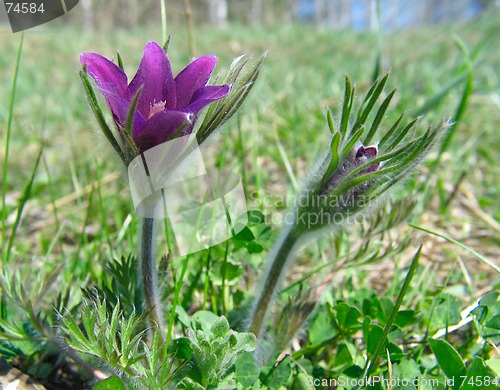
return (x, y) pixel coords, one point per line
(156, 107)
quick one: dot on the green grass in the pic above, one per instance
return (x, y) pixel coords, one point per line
(79, 213)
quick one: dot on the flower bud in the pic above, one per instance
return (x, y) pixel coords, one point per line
(323, 206)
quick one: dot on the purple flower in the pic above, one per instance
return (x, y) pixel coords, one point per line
(363, 155)
(354, 159)
(166, 105)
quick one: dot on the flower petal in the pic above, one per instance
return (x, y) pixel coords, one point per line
(109, 77)
(363, 155)
(368, 152)
(193, 77)
(160, 128)
(155, 76)
(206, 95)
(120, 108)
(106, 73)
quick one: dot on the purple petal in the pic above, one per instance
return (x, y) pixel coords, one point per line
(120, 108)
(155, 76)
(370, 169)
(369, 152)
(206, 95)
(363, 155)
(110, 79)
(106, 73)
(193, 77)
(160, 128)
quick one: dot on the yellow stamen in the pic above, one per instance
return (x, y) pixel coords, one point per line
(156, 107)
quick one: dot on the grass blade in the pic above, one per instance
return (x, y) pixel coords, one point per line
(462, 106)
(26, 196)
(390, 321)
(463, 246)
(436, 99)
(7, 144)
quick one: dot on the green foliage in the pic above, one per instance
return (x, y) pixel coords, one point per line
(99, 115)
(76, 231)
(29, 330)
(343, 186)
(449, 359)
(246, 371)
(112, 383)
(487, 315)
(111, 337)
(205, 359)
(214, 353)
(119, 285)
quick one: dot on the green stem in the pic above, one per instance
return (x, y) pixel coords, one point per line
(224, 286)
(164, 31)
(188, 13)
(148, 275)
(177, 292)
(207, 281)
(275, 271)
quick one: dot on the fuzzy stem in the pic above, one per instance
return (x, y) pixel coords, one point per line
(148, 275)
(275, 270)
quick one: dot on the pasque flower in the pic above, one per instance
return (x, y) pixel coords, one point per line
(354, 158)
(347, 180)
(165, 107)
(156, 107)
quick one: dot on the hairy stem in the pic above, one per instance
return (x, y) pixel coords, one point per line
(148, 274)
(275, 270)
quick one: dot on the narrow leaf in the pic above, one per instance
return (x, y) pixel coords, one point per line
(347, 106)
(397, 138)
(379, 117)
(371, 97)
(467, 248)
(96, 109)
(24, 199)
(397, 306)
(391, 131)
(329, 118)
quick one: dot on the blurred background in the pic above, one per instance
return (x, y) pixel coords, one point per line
(443, 56)
(335, 14)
